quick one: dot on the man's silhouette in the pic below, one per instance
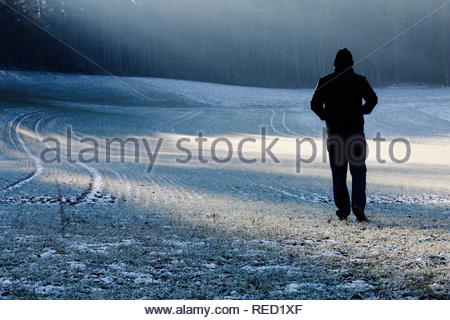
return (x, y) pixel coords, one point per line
(338, 99)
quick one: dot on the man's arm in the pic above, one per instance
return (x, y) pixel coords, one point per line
(369, 96)
(317, 101)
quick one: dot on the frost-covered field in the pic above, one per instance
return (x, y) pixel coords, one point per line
(211, 230)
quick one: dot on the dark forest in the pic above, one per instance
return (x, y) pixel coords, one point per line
(282, 43)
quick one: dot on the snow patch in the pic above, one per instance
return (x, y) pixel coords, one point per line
(357, 285)
(295, 287)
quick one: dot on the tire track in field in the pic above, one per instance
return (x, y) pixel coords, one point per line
(290, 133)
(125, 189)
(38, 124)
(21, 146)
(294, 134)
(74, 200)
(94, 191)
(273, 127)
(283, 123)
(92, 194)
(130, 192)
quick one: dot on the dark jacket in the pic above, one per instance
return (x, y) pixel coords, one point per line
(338, 99)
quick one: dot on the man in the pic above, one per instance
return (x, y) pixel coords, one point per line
(338, 99)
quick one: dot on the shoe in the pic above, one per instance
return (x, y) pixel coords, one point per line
(342, 215)
(360, 216)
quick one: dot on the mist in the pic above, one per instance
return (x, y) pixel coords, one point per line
(283, 43)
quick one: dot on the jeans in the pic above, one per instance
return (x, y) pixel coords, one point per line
(348, 150)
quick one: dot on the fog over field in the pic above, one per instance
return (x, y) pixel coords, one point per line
(267, 43)
(213, 230)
